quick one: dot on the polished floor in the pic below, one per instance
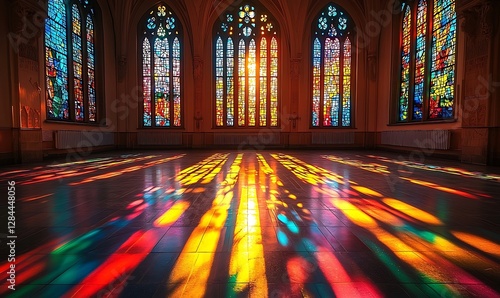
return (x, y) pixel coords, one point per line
(254, 224)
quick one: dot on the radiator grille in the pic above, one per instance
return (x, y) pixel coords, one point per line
(425, 139)
(66, 139)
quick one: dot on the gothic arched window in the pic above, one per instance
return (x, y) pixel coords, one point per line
(332, 68)
(428, 53)
(70, 61)
(246, 68)
(160, 35)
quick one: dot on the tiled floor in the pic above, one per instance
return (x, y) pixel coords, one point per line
(238, 224)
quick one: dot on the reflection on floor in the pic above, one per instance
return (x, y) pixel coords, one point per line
(248, 224)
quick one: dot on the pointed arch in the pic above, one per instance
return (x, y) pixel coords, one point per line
(427, 75)
(160, 36)
(332, 31)
(250, 83)
(70, 61)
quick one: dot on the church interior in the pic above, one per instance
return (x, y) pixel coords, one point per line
(250, 148)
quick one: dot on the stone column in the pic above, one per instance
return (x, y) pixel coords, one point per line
(477, 124)
(27, 24)
(199, 111)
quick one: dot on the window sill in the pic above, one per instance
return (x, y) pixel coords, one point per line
(422, 122)
(176, 128)
(250, 128)
(315, 128)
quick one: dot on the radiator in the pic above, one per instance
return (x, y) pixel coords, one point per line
(66, 139)
(425, 139)
(261, 139)
(332, 138)
(159, 138)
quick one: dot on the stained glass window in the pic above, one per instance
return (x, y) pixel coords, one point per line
(332, 68)
(442, 88)
(405, 65)
(91, 68)
(246, 68)
(70, 61)
(428, 84)
(160, 40)
(56, 61)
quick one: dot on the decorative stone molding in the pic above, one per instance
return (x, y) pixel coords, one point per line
(469, 24)
(198, 68)
(487, 15)
(122, 60)
(28, 18)
(295, 67)
(372, 66)
(479, 17)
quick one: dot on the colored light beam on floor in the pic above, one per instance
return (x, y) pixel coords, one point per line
(127, 170)
(441, 188)
(429, 264)
(247, 263)
(329, 265)
(434, 168)
(479, 243)
(73, 169)
(370, 167)
(204, 238)
(412, 211)
(367, 191)
(172, 214)
(206, 169)
(119, 265)
(308, 173)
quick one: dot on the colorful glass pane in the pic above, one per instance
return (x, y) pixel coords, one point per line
(91, 69)
(274, 82)
(176, 73)
(346, 98)
(420, 60)
(162, 82)
(263, 82)
(442, 88)
(252, 88)
(56, 61)
(241, 83)
(405, 65)
(219, 85)
(230, 83)
(331, 95)
(146, 81)
(316, 82)
(77, 63)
